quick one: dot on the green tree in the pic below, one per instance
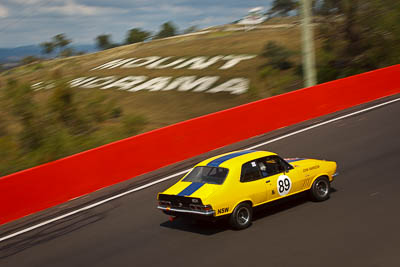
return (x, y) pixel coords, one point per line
(61, 103)
(136, 35)
(277, 56)
(68, 52)
(23, 108)
(133, 124)
(104, 42)
(168, 29)
(191, 29)
(64, 125)
(97, 109)
(282, 7)
(66, 110)
(8, 155)
(3, 127)
(29, 59)
(47, 47)
(366, 36)
(328, 7)
(59, 42)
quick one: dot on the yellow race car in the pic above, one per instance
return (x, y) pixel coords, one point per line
(232, 184)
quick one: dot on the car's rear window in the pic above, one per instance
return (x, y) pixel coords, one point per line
(207, 175)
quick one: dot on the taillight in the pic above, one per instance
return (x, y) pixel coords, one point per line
(207, 208)
(164, 203)
(200, 207)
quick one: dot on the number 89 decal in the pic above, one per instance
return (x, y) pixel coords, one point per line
(284, 185)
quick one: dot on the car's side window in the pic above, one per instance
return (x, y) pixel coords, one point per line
(270, 166)
(285, 164)
(250, 172)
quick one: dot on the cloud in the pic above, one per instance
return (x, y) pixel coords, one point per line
(28, 2)
(213, 21)
(172, 10)
(34, 21)
(3, 12)
(71, 8)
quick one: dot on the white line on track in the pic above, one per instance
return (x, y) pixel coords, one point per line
(185, 171)
(323, 123)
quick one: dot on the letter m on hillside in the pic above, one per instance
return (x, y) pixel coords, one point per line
(113, 64)
(187, 83)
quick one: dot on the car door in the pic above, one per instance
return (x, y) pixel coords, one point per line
(253, 184)
(281, 177)
(295, 175)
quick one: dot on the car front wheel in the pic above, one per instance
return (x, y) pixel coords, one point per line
(320, 189)
(241, 216)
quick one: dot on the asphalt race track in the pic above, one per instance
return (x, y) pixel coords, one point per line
(358, 226)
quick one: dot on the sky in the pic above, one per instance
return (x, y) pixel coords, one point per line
(26, 22)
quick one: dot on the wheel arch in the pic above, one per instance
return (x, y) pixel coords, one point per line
(243, 201)
(236, 217)
(319, 176)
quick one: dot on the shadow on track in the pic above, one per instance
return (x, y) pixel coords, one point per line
(283, 205)
(196, 226)
(261, 212)
(49, 232)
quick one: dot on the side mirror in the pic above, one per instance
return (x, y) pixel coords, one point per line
(287, 169)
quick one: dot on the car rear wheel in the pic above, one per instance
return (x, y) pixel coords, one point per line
(320, 189)
(241, 216)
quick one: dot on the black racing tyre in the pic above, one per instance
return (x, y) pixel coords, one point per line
(320, 189)
(241, 216)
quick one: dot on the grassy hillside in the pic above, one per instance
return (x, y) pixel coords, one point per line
(113, 114)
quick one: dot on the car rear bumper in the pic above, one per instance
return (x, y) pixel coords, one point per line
(174, 211)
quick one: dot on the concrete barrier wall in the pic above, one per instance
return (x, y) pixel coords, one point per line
(50, 184)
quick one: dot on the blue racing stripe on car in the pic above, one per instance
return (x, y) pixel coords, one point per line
(293, 160)
(216, 162)
(193, 187)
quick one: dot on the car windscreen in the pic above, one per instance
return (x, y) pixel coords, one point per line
(207, 175)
